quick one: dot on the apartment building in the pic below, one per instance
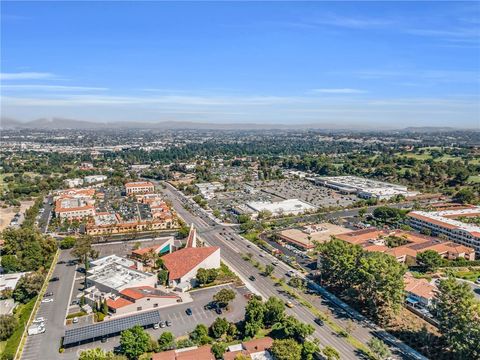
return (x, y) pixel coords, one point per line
(452, 224)
(139, 187)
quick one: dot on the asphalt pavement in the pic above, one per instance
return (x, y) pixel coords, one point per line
(46, 345)
(231, 251)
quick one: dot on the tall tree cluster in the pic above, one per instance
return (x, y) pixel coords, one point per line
(374, 280)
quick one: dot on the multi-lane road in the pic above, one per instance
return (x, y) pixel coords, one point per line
(233, 246)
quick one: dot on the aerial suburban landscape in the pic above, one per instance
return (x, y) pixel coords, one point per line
(179, 211)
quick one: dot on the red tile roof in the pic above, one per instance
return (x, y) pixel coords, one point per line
(138, 184)
(118, 303)
(201, 353)
(182, 261)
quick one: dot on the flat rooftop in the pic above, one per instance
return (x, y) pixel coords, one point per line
(116, 276)
(306, 236)
(285, 206)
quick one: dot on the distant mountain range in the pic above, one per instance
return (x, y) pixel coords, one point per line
(64, 124)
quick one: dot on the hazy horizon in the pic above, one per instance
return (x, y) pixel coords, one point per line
(369, 64)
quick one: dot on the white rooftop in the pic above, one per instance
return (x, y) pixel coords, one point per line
(116, 276)
(112, 259)
(9, 281)
(285, 206)
(443, 217)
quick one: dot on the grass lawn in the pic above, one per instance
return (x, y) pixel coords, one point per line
(474, 179)
(467, 275)
(22, 313)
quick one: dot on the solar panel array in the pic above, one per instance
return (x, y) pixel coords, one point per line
(106, 328)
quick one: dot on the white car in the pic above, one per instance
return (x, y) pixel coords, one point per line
(47, 300)
(39, 320)
(75, 320)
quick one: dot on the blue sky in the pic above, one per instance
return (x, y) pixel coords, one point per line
(377, 64)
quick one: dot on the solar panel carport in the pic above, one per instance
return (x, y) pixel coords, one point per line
(109, 328)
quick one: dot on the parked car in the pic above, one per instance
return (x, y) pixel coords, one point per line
(156, 326)
(168, 323)
(47, 300)
(189, 311)
(289, 304)
(218, 311)
(162, 324)
(252, 278)
(55, 278)
(104, 340)
(39, 320)
(47, 294)
(319, 321)
(75, 320)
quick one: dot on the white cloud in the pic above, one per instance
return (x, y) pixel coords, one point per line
(339, 91)
(26, 76)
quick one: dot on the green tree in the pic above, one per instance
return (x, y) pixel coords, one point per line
(162, 277)
(83, 251)
(268, 270)
(224, 297)
(206, 276)
(274, 311)
(10, 263)
(380, 285)
(134, 342)
(290, 327)
(199, 333)
(67, 242)
(286, 349)
(309, 349)
(330, 353)
(254, 315)
(430, 260)
(465, 196)
(459, 316)
(104, 307)
(166, 341)
(218, 349)
(379, 349)
(28, 287)
(8, 323)
(219, 327)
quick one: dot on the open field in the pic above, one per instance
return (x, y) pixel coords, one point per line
(7, 214)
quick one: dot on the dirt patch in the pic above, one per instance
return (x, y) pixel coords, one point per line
(7, 214)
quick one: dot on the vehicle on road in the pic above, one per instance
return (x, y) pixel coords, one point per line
(189, 311)
(289, 304)
(252, 278)
(47, 300)
(249, 246)
(47, 294)
(319, 321)
(218, 311)
(55, 278)
(36, 329)
(261, 255)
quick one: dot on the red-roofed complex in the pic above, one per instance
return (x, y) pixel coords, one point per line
(193, 353)
(448, 224)
(403, 244)
(139, 187)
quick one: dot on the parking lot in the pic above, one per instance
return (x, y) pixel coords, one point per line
(46, 345)
(181, 323)
(306, 191)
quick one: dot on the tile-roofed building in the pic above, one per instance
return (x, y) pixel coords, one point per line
(183, 264)
(447, 223)
(164, 246)
(377, 240)
(139, 187)
(254, 349)
(192, 353)
(419, 290)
